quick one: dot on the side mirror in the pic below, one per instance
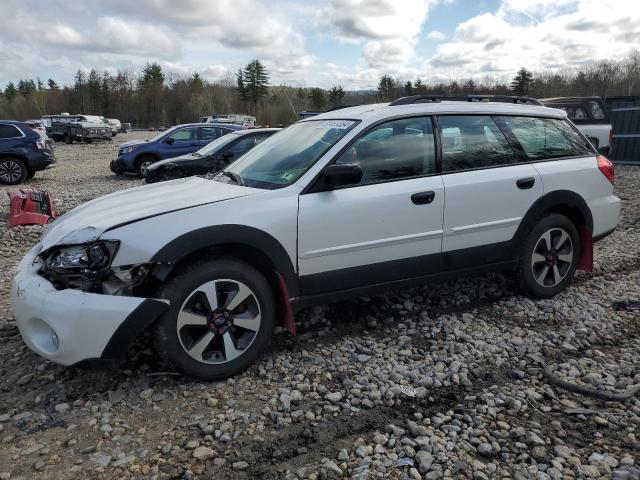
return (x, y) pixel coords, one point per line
(169, 141)
(342, 174)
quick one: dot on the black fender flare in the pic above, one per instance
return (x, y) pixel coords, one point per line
(556, 198)
(206, 237)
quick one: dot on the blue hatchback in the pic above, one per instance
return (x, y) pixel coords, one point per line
(23, 152)
(136, 155)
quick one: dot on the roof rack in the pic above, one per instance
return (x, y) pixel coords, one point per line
(464, 98)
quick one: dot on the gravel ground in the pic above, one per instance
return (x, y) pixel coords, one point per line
(445, 381)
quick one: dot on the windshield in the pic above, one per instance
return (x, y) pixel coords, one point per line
(157, 137)
(282, 158)
(217, 144)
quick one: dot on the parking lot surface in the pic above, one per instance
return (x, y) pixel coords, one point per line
(444, 381)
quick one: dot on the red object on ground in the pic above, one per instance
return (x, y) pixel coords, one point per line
(586, 254)
(30, 207)
(287, 320)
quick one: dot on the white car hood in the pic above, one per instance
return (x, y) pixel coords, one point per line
(87, 222)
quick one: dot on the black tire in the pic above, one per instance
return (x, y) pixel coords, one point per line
(528, 269)
(12, 171)
(68, 139)
(30, 174)
(142, 163)
(88, 140)
(179, 290)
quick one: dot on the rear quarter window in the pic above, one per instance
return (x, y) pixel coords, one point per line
(9, 131)
(544, 138)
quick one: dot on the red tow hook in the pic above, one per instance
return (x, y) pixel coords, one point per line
(287, 318)
(586, 251)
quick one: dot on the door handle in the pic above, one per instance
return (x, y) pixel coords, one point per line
(423, 198)
(525, 183)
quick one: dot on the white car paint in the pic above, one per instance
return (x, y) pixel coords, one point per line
(88, 221)
(320, 232)
(382, 224)
(486, 206)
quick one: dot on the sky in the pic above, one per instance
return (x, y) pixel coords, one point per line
(314, 43)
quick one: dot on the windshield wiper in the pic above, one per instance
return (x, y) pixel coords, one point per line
(233, 176)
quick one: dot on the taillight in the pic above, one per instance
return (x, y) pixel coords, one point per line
(606, 167)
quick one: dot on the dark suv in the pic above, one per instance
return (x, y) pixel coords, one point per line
(136, 155)
(23, 152)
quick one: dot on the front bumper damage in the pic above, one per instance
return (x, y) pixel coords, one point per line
(70, 326)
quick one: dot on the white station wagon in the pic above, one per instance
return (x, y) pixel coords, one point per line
(351, 202)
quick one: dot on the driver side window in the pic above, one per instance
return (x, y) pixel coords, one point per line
(394, 150)
(183, 135)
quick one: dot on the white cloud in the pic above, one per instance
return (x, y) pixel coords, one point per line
(545, 34)
(388, 29)
(436, 35)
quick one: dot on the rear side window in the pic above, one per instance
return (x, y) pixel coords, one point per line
(394, 150)
(597, 111)
(543, 138)
(9, 131)
(473, 141)
(211, 133)
(576, 113)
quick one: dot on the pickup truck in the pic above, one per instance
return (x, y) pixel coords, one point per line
(81, 128)
(589, 115)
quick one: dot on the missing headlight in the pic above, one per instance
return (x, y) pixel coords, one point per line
(78, 266)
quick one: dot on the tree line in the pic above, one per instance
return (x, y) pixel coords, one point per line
(155, 98)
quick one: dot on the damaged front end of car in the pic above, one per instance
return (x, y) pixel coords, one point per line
(88, 267)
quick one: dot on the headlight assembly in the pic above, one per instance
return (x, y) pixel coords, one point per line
(127, 150)
(82, 260)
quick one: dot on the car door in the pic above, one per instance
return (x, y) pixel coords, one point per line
(387, 227)
(180, 142)
(487, 190)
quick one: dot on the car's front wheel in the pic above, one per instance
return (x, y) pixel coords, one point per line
(142, 164)
(549, 256)
(221, 318)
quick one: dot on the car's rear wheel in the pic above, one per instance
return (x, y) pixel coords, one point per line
(143, 163)
(221, 318)
(12, 171)
(549, 256)
(67, 139)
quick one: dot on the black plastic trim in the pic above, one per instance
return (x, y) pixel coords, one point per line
(603, 235)
(205, 237)
(135, 323)
(374, 289)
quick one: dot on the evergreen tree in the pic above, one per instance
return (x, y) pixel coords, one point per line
(336, 94)
(256, 82)
(52, 84)
(521, 83)
(386, 88)
(240, 86)
(418, 87)
(317, 99)
(11, 91)
(408, 88)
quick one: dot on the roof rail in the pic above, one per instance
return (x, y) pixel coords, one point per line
(338, 107)
(464, 98)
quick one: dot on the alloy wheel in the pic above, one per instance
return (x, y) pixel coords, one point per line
(218, 321)
(144, 165)
(10, 171)
(552, 257)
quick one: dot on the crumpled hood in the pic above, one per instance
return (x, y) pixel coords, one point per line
(132, 143)
(181, 160)
(87, 222)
